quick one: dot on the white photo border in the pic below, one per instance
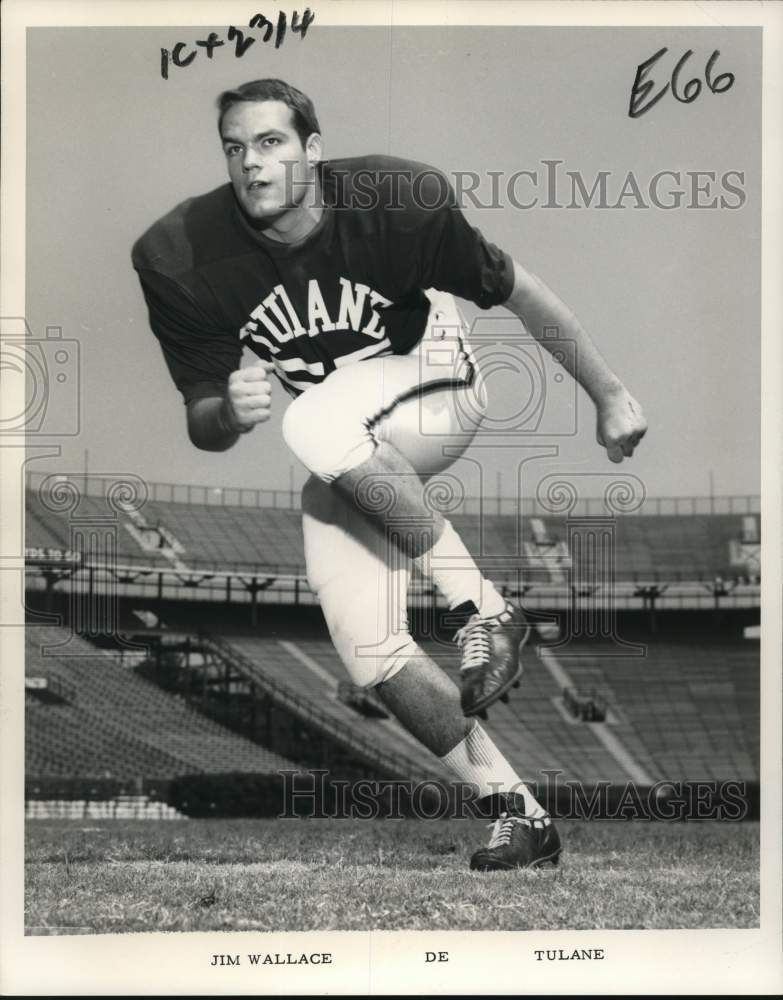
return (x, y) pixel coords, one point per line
(649, 961)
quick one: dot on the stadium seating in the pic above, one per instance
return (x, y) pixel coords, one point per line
(43, 528)
(231, 536)
(120, 807)
(663, 547)
(47, 528)
(688, 709)
(119, 724)
(65, 740)
(653, 547)
(535, 731)
(312, 668)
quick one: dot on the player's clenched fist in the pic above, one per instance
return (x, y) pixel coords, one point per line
(249, 396)
(621, 425)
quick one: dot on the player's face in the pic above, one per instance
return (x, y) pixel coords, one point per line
(268, 166)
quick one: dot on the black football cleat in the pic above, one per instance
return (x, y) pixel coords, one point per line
(491, 658)
(518, 842)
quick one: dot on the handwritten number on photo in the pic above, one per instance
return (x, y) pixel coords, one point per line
(298, 26)
(685, 94)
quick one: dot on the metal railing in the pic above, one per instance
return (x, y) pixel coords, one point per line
(234, 496)
(90, 584)
(260, 575)
(394, 763)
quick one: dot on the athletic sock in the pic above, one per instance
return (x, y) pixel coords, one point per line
(454, 572)
(477, 761)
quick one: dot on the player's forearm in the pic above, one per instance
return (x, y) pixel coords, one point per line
(553, 325)
(210, 425)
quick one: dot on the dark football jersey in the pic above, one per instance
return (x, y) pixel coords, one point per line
(351, 290)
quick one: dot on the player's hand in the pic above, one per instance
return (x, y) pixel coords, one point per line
(621, 425)
(249, 396)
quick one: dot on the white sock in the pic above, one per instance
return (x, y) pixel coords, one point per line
(478, 761)
(454, 572)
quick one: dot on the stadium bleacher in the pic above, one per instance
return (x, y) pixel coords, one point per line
(647, 547)
(44, 529)
(233, 535)
(118, 723)
(687, 710)
(64, 740)
(312, 667)
(660, 547)
(51, 528)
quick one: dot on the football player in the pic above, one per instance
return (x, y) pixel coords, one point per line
(340, 275)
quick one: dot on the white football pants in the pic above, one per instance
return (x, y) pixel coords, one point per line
(428, 405)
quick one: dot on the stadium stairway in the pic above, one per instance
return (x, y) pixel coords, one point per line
(692, 705)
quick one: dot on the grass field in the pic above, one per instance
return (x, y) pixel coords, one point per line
(235, 875)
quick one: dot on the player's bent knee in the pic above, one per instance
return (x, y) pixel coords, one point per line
(380, 667)
(394, 662)
(372, 664)
(327, 442)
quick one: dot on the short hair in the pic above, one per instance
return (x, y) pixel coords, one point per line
(305, 120)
